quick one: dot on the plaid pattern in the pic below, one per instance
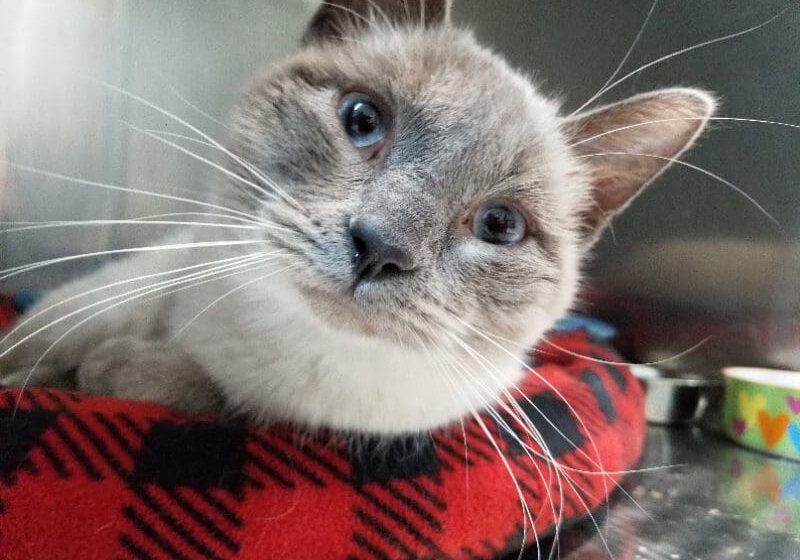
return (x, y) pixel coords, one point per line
(96, 477)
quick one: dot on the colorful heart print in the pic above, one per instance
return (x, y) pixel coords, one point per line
(739, 426)
(794, 435)
(794, 404)
(772, 427)
(750, 405)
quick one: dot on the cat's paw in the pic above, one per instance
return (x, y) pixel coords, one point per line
(146, 370)
(36, 362)
(39, 376)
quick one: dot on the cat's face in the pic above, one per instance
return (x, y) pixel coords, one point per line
(429, 181)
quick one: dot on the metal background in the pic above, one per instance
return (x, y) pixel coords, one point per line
(690, 259)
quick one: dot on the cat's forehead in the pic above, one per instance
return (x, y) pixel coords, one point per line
(440, 70)
(443, 87)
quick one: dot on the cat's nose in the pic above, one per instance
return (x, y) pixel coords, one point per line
(375, 254)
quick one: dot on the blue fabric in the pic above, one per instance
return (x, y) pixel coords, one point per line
(597, 329)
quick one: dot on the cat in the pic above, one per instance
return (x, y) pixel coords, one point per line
(405, 215)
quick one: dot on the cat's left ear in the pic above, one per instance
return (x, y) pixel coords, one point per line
(338, 18)
(625, 146)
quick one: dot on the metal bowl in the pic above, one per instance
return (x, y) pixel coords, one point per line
(676, 398)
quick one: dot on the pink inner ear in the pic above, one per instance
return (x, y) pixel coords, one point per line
(625, 146)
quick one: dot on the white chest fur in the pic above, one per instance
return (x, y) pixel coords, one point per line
(282, 362)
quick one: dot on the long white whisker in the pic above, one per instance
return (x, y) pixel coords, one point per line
(188, 103)
(200, 133)
(9, 272)
(100, 223)
(443, 368)
(148, 217)
(603, 472)
(610, 362)
(549, 385)
(223, 296)
(474, 384)
(528, 517)
(14, 271)
(207, 161)
(695, 168)
(630, 50)
(613, 363)
(28, 318)
(676, 119)
(451, 387)
(348, 10)
(104, 310)
(680, 52)
(240, 263)
(117, 188)
(534, 433)
(158, 132)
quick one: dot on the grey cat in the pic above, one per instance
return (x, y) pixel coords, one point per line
(408, 214)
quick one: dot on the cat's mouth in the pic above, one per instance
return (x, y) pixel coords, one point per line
(364, 308)
(340, 309)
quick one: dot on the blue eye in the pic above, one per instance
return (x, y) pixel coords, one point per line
(362, 121)
(499, 224)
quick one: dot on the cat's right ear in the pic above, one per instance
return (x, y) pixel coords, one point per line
(340, 18)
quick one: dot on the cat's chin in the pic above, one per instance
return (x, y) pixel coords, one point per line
(365, 309)
(341, 310)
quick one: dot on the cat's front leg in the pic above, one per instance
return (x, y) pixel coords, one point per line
(148, 370)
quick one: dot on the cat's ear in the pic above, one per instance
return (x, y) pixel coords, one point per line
(337, 18)
(625, 146)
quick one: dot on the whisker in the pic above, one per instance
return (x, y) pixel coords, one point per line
(680, 52)
(474, 384)
(158, 132)
(645, 123)
(452, 390)
(158, 285)
(101, 223)
(225, 295)
(603, 472)
(609, 362)
(443, 367)
(628, 364)
(349, 11)
(207, 161)
(523, 421)
(554, 390)
(14, 271)
(527, 515)
(106, 309)
(374, 7)
(202, 134)
(630, 50)
(559, 467)
(695, 168)
(150, 217)
(28, 318)
(175, 92)
(117, 188)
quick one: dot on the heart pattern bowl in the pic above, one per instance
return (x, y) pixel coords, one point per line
(762, 409)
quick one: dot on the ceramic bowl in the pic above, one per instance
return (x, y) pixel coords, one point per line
(762, 409)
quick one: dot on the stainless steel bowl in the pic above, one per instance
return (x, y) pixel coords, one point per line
(677, 398)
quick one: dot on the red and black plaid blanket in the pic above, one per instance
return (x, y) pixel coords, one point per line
(93, 477)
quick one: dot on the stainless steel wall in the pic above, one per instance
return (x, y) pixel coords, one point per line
(691, 259)
(54, 117)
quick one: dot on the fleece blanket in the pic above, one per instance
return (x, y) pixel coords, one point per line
(95, 477)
